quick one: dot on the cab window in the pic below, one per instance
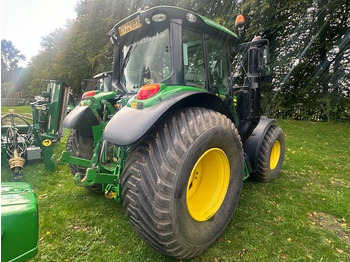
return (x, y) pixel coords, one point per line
(218, 65)
(194, 64)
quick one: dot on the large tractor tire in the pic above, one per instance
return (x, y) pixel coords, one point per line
(182, 182)
(271, 155)
(81, 146)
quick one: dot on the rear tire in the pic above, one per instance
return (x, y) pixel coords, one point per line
(271, 155)
(81, 146)
(182, 183)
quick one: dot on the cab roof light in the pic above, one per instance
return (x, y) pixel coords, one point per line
(147, 91)
(159, 18)
(191, 17)
(147, 21)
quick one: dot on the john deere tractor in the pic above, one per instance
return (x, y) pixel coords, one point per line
(175, 138)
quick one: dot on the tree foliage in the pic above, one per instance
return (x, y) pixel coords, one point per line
(309, 45)
(10, 69)
(10, 58)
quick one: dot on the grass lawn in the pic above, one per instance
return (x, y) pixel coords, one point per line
(304, 215)
(17, 109)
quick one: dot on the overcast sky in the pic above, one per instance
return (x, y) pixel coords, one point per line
(24, 22)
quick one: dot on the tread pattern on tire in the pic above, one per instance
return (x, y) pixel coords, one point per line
(149, 215)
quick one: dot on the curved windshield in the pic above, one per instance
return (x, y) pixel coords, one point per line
(146, 61)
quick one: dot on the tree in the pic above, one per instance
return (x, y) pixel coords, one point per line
(309, 46)
(10, 58)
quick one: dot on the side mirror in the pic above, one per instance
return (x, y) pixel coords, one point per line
(264, 61)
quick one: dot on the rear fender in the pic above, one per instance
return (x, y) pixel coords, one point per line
(253, 144)
(84, 116)
(130, 124)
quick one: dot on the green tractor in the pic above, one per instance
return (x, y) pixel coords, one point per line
(174, 139)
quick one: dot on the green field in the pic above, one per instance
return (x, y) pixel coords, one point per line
(17, 109)
(302, 216)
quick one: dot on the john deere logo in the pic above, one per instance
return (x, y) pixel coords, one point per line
(47, 142)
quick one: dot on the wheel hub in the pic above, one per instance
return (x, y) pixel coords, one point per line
(207, 185)
(275, 154)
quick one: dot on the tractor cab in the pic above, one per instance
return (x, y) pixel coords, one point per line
(101, 82)
(172, 46)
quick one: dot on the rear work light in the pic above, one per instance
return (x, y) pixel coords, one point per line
(88, 93)
(147, 91)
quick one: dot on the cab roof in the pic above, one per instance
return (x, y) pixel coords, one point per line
(190, 19)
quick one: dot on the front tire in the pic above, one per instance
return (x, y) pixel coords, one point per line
(182, 183)
(271, 155)
(81, 146)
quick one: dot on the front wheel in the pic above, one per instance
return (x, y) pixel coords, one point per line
(271, 155)
(81, 146)
(182, 183)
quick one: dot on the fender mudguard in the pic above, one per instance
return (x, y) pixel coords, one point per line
(82, 119)
(253, 144)
(130, 124)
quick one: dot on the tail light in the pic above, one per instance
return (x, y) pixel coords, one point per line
(88, 93)
(147, 91)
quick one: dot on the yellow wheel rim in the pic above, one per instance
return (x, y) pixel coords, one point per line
(275, 154)
(207, 185)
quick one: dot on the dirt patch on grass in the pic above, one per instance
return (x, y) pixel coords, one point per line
(340, 182)
(339, 227)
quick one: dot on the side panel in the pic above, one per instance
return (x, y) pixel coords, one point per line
(253, 144)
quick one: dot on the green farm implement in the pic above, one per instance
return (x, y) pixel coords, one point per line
(174, 136)
(24, 138)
